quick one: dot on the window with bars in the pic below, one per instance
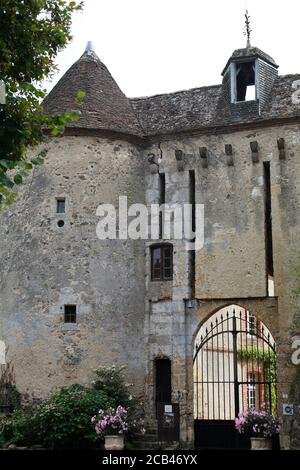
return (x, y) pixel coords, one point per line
(162, 262)
(251, 392)
(70, 314)
(60, 205)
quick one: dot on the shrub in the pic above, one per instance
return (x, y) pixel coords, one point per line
(111, 380)
(63, 421)
(10, 397)
(18, 428)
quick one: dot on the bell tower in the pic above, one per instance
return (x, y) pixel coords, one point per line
(249, 76)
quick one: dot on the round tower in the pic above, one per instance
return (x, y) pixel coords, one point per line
(72, 302)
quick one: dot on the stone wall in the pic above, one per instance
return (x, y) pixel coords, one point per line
(231, 267)
(123, 316)
(44, 267)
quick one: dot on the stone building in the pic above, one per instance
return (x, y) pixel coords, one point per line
(70, 302)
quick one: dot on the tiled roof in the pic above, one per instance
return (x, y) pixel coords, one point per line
(105, 105)
(107, 108)
(250, 53)
(204, 107)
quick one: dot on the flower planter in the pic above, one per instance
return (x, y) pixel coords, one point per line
(114, 442)
(261, 443)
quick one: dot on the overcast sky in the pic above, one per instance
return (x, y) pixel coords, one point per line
(159, 46)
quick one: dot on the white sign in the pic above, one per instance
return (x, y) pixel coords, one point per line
(168, 408)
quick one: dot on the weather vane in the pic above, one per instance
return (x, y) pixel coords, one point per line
(247, 28)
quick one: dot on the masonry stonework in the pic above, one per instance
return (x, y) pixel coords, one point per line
(123, 316)
(45, 267)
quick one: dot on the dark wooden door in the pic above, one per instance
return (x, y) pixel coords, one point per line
(163, 381)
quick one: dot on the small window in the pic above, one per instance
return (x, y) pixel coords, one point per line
(162, 263)
(61, 205)
(251, 324)
(70, 314)
(251, 392)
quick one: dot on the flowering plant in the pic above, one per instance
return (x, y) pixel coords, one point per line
(258, 423)
(111, 423)
(115, 421)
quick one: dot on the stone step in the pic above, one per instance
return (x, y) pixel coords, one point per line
(146, 437)
(156, 445)
(151, 430)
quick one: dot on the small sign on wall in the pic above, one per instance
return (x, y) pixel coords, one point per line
(287, 409)
(168, 420)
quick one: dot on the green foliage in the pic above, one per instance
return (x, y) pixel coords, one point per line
(268, 361)
(10, 397)
(31, 34)
(183, 445)
(19, 428)
(268, 357)
(111, 380)
(63, 421)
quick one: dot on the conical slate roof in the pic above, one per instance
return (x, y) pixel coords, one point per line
(105, 106)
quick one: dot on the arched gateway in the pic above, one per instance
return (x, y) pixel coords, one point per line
(234, 367)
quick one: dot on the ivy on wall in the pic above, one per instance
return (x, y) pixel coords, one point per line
(268, 361)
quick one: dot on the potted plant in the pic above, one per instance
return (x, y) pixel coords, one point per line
(260, 425)
(112, 426)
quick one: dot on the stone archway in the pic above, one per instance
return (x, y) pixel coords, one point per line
(234, 369)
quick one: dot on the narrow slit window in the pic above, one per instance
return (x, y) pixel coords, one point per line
(268, 229)
(162, 200)
(192, 257)
(70, 314)
(60, 205)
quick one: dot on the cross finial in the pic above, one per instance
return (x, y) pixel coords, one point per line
(247, 28)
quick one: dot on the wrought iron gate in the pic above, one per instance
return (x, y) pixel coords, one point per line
(234, 370)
